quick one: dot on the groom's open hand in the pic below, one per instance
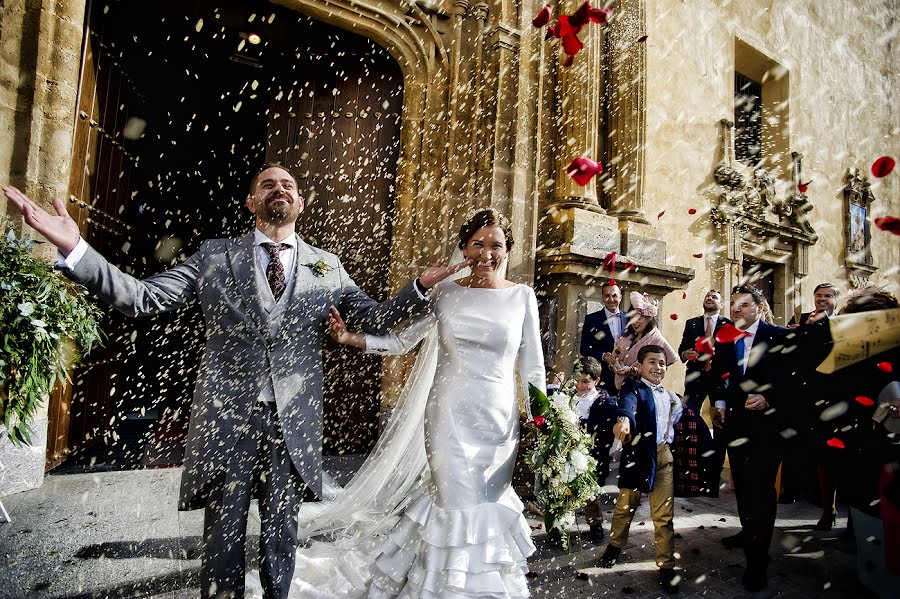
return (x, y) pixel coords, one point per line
(60, 230)
(439, 271)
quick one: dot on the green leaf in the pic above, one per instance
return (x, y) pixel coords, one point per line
(540, 405)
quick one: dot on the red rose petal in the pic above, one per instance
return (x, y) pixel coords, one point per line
(658, 216)
(883, 166)
(726, 375)
(890, 224)
(802, 187)
(629, 265)
(885, 367)
(642, 39)
(553, 31)
(609, 262)
(866, 401)
(580, 17)
(612, 282)
(704, 345)
(600, 15)
(565, 27)
(673, 316)
(697, 255)
(582, 170)
(539, 421)
(692, 211)
(729, 333)
(683, 295)
(543, 17)
(835, 442)
(568, 61)
(571, 44)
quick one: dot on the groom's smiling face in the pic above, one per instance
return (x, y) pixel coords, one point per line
(274, 197)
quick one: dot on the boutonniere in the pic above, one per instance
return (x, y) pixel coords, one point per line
(320, 268)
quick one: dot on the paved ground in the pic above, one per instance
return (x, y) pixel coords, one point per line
(118, 534)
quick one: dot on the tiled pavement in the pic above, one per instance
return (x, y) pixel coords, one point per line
(118, 534)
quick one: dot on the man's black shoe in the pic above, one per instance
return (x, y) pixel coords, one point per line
(755, 578)
(610, 556)
(668, 580)
(734, 541)
(596, 534)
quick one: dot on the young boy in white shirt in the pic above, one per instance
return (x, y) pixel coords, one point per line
(646, 426)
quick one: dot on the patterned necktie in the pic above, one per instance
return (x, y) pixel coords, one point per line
(275, 270)
(709, 327)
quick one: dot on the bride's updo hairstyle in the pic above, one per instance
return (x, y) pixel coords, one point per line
(485, 217)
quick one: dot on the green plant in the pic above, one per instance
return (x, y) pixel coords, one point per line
(46, 324)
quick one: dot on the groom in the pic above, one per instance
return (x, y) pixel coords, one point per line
(256, 417)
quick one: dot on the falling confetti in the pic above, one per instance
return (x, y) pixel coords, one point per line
(583, 169)
(863, 400)
(802, 187)
(885, 367)
(883, 166)
(835, 442)
(692, 211)
(700, 255)
(891, 224)
(729, 333)
(659, 216)
(543, 17)
(673, 316)
(609, 262)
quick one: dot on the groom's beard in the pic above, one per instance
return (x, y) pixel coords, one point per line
(279, 212)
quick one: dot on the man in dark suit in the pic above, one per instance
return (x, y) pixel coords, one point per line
(602, 329)
(698, 383)
(749, 406)
(825, 297)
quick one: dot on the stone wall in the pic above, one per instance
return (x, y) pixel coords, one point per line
(842, 62)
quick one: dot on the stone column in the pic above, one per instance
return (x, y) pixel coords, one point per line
(626, 111)
(578, 115)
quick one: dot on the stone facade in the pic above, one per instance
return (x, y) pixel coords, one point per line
(491, 117)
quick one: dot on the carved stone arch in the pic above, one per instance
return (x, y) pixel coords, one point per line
(412, 40)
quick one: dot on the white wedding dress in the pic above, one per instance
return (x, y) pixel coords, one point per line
(463, 534)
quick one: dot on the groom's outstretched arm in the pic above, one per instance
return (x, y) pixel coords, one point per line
(160, 293)
(379, 318)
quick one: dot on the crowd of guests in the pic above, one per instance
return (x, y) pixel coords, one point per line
(769, 408)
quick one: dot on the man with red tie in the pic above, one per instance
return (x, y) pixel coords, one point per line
(750, 409)
(698, 383)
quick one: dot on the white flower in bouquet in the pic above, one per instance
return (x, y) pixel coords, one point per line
(579, 461)
(570, 416)
(559, 401)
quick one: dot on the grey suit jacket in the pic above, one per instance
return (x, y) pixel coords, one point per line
(251, 342)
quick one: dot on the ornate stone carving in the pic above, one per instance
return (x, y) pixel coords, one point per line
(750, 201)
(858, 197)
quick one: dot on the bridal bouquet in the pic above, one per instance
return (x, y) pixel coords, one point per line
(559, 454)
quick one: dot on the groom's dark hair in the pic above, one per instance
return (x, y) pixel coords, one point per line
(266, 167)
(485, 218)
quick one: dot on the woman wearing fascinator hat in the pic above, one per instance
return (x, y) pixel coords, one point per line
(642, 330)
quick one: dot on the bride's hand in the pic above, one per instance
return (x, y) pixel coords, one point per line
(336, 327)
(439, 271)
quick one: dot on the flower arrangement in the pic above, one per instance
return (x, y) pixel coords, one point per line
(320, 268)
(46, 324)
(559, 454)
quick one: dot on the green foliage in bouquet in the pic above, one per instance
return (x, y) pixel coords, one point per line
(559, 454)
(46, 324)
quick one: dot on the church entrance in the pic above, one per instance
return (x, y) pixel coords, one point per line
(179, 105)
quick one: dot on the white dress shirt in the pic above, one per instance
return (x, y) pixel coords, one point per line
(615, 327)
(584, 402)
(665, 430)
(748, 344)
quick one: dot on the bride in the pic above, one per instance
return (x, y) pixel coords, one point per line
(460, 531)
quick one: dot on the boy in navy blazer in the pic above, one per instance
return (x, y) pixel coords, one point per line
(646, 426)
